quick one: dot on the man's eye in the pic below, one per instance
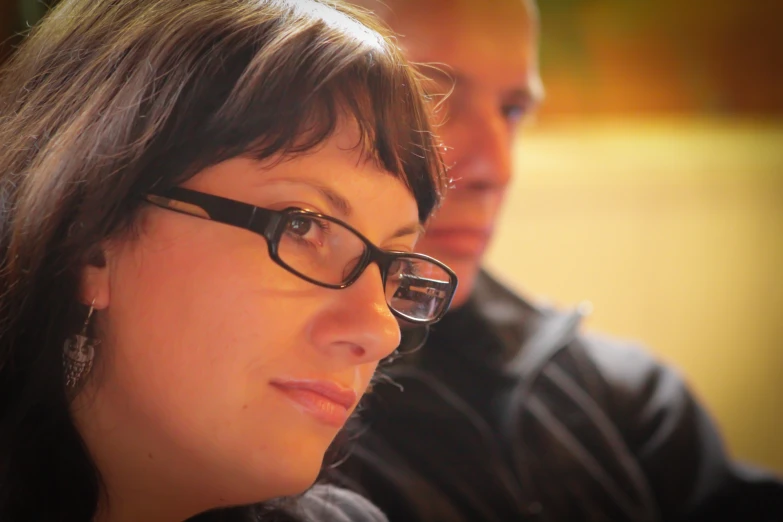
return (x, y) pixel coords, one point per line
(513, 113)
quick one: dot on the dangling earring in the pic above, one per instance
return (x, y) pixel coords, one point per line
(78, 354)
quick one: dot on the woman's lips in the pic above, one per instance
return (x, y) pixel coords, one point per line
(327, 401)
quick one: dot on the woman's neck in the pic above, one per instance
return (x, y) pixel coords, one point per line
(148, 505)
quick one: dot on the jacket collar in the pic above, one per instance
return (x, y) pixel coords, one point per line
(521, 326)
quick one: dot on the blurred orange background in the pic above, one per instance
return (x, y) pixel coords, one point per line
(651, 184)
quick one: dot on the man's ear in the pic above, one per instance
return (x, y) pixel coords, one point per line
(94, 284)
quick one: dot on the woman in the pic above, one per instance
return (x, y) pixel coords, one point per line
(206, 214)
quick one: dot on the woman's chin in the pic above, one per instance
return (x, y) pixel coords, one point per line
(297, 475)
(295, 483)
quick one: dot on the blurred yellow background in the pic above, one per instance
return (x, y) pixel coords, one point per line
(672, 229)
(651, 185)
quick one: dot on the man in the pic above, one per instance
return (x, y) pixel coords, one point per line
(508, 413)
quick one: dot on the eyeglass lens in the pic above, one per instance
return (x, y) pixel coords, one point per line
(331, 254)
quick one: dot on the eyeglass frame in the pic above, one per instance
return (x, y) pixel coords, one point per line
(267, 223)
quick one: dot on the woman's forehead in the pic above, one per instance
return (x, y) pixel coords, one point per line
(344, 177)
(333, 175)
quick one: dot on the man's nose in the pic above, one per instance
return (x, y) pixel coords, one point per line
(480, 141)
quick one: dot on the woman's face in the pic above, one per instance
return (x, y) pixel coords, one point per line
(199, 327)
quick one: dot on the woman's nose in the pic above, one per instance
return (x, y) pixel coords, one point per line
(359, 326)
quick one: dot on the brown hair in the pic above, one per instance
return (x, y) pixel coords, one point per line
(106, 99)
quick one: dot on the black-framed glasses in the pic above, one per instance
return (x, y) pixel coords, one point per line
(327, 252)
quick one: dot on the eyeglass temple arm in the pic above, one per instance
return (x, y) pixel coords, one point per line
(216, 208)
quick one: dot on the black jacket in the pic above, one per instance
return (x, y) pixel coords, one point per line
(508, 413)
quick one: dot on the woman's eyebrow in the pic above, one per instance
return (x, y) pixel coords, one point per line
(343, 207)
(409, 230)
(336, 200)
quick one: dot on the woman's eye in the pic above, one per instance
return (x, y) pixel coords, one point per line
(300, 226)
(307, 230)
(402, 268)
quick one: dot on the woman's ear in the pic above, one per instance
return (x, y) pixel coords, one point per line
(94, 284)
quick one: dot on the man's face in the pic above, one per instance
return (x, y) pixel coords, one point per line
(490, 51)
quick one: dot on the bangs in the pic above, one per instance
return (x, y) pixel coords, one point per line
(288, 87)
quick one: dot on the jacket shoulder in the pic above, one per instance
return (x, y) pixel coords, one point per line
(327, 503)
